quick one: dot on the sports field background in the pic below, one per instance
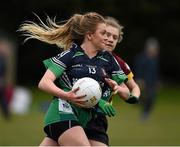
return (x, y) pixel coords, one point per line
(162, 128)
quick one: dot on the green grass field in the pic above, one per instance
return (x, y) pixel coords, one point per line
(162, 127)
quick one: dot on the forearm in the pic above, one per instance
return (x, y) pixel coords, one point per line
(48, 86)
(134, 94)
(133, 87)
(135, 91)
(52, 89)
(123, 91)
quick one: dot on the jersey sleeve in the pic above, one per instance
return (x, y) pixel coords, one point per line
(119, 76)
(124, 66)
(117, 73)
(59, 63)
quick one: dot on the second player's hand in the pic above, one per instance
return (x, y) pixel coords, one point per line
(121, 89)
(113, 84)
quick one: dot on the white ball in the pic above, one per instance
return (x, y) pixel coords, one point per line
(90, 88)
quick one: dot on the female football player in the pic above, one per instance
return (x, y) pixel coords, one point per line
(114, 33)
(97, 126)
(84, 38)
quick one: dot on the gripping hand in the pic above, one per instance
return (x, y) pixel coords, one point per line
(106, 107)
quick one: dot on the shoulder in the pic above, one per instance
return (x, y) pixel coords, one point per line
(107, 55)
(111, 59)
(118, 58)
(125, 67)
(69, 52)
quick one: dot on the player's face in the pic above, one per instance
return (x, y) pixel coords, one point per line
(99, 37)
(112, 37)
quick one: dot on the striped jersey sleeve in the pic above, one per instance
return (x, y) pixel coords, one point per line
(124, 66)
(117, 73)
(59, 63)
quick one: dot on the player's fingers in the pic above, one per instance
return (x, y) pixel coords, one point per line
(107, 111)
(81, 97)
(115, 91)
(111, 83)
(81, 104)
(108, 80)
(75, 89)
(111, 111)
(80, 100)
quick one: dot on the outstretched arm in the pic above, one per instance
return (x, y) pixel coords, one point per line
(129, 91)
(133, 87)
(134, 92)
(121, 89)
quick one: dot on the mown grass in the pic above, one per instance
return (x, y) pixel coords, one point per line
(162, 127)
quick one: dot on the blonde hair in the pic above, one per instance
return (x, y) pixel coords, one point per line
(115, 23)
(64, 34)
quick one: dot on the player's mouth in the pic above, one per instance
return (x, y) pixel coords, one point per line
(109, 45)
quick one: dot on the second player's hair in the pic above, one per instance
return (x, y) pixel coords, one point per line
(115, 23)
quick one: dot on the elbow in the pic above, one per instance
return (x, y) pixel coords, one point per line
(138, 91)
(41, 85)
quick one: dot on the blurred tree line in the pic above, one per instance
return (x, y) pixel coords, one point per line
(141, 19)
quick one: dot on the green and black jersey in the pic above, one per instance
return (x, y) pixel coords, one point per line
(73, 64)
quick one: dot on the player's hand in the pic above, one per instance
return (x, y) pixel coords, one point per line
(113, 84)
(76, 99)
(107, 108)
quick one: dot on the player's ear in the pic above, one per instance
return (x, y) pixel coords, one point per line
(89, 35)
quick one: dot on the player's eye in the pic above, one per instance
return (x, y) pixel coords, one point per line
(103, 32)
(115, 37)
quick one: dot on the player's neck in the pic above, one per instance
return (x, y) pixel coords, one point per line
(89, 49)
